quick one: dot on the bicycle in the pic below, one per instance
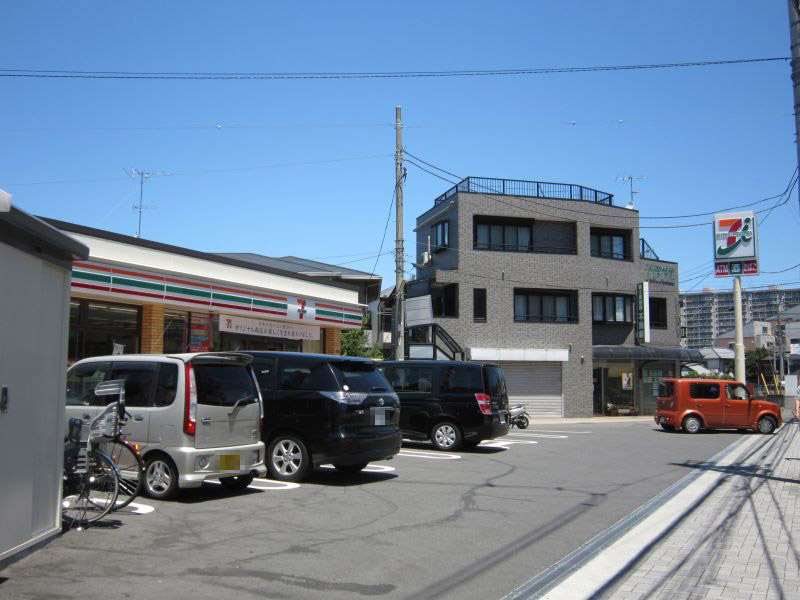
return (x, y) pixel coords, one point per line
(125, 455)
(91, 479)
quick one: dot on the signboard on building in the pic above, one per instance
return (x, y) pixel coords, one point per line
(643, 313)
(659, 273)
(735, 244)
(267, 328)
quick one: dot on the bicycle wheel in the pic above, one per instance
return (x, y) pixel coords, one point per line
(90, 496)
(130, 467)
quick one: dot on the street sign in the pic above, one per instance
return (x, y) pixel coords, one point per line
(643, 313)
(735, 244)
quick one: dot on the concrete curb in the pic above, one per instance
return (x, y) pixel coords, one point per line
(595, 565)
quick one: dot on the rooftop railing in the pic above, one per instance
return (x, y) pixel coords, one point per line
(528, 189)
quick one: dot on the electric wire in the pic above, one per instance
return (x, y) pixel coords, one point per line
(494, 197)
(178, 75)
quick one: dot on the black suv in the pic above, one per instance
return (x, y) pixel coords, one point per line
(321, 409)
(452, 403)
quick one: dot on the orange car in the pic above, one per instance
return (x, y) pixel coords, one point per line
(695, 404)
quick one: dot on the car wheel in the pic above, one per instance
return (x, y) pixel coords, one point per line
(288, 459)
(446, 436)
(351, 469)
(237, 482)
(692, 424)
(160, 477)
(766, 425)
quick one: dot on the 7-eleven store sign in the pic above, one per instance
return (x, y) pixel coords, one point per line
(735, 244)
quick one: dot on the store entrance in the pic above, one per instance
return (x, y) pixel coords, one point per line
(239, 341)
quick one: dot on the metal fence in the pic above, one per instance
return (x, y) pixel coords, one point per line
(528, 189)
(646, 251)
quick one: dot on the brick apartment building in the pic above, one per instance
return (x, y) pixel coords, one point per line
(542, 278)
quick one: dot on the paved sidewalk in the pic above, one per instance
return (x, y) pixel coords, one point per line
(742, 541)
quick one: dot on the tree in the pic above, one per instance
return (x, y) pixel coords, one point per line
(752, 364)
(355, 342)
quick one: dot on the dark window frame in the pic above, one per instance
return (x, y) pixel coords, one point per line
(442, 302)
(440, 236)
(531, 317)
(479, 305)
(656, 320)
(629, 303)
(596, 249)
(503, 223)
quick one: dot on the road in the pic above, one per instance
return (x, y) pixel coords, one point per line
(474, 524)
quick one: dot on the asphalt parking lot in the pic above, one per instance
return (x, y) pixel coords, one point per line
(472, 524)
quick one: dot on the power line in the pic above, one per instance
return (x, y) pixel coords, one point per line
(209, 171)
(63, 74)
(584, 212)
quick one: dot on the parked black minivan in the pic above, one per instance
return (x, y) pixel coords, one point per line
(321, 409)
(452, 403)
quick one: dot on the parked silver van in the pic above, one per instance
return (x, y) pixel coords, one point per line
(195, 416)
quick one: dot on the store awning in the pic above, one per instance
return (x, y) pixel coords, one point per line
(645, 353)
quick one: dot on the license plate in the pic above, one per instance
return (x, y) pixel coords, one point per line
(502, 419)
(378, 416)
(230, 462)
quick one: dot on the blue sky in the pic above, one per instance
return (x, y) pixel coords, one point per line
(306, 167)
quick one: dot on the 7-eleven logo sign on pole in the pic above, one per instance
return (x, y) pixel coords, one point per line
(735, 244)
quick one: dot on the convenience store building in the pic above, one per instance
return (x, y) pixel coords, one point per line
(140, 296)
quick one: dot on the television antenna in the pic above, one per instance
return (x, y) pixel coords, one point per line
(143, 176)
(631, 179)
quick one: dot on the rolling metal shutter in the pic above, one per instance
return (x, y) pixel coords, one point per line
(537, 385)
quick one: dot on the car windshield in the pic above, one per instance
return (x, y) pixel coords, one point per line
(360, 377)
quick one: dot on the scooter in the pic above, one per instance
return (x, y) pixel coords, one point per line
(517, 415)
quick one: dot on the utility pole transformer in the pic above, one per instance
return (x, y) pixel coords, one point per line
(794, 31)
(399, 320)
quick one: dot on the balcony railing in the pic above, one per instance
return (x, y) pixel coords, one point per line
(646, 251)
(527, 189)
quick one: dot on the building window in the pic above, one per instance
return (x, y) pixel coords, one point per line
(608, 308)
(546, 306)
(658, 313)
(509, 235)
(445, 301)
(441, 236)
(479, 305)
(610, 244)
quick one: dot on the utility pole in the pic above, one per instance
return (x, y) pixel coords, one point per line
(739, 370)
(794, 32)
(780, 340)
(399, 320)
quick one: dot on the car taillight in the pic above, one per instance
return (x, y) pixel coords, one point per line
(484, 403)
(190, 408)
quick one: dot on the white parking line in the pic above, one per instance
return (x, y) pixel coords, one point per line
(432, 454)
(263, 485)
(137, 508)
(501, 443)
(367, 469)
(538, 435)
(555, 431)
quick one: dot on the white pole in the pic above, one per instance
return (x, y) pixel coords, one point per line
(739, 371)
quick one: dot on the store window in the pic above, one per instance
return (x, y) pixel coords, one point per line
(176, 332)
(100, 328)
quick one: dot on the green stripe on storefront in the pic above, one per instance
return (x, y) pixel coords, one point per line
(270, 304)
(188, 291)
(91, 276)
(140, 284)
(239, 299)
